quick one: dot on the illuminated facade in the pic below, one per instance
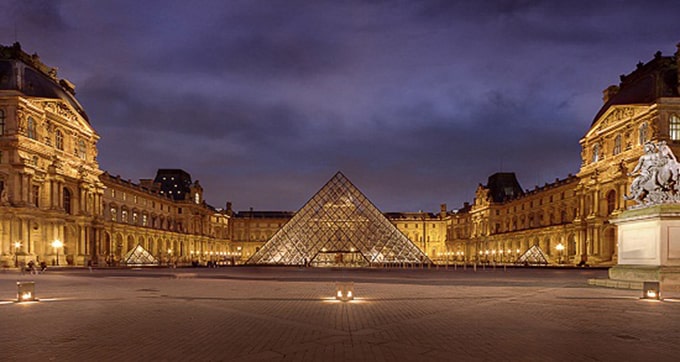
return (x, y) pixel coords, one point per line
(52, 189)
(569, 219)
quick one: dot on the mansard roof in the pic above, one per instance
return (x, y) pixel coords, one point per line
(503, 186)
(35, 79)
(647, 83)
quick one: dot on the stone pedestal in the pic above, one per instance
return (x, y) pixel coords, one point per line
(649, 246)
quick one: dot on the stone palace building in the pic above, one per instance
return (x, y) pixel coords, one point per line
(58, 206)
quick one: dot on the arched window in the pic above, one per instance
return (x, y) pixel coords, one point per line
(114, 214)
(30, 129)
(617, 145)
(674, 128)
(596, 152)
(642, 133)
(59, 140)
(2, 122)
(67, 200)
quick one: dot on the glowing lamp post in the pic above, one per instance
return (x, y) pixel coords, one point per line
(560, 249)
(17, 245)
(56, 245)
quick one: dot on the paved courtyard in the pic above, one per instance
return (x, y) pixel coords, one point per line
(288, 314)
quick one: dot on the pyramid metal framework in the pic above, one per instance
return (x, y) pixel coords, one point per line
(338, 226)
(139, 256)
(534, 255)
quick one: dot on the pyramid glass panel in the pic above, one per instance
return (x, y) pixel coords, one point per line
(139, 256)
(338, 226)
(533, 256)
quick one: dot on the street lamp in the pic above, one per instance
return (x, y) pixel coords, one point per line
(560, 249)
(17, 245)
(56, 245)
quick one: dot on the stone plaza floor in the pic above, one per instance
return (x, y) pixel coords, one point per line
(289, 314)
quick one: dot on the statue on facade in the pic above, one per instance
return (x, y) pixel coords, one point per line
(656, 176)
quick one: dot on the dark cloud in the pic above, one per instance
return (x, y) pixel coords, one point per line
(416, 102)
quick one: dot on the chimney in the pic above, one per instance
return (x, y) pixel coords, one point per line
(229, 210)
(442, 210)
(609, 93)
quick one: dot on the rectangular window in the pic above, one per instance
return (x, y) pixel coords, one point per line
(2, 122)
(674, 129)
(36, 195)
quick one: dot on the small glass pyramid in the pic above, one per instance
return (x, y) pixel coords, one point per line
(534, 255)
(338, 227)
(139, 256)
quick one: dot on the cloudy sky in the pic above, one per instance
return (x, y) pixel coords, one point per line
(416, 102)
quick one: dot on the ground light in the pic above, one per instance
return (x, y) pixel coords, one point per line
(344, 291)
(651, 290)
(26, 292)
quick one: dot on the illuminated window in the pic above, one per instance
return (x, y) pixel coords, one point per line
(642, 134)
(134, 218)
(2, 122)
(30, 130)
(617, 145)
(124, 216)
(59, 140)
(197, 198)
(114, 214)
(144, 220)
(674, 128)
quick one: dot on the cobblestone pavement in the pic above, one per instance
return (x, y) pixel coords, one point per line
(288, 314)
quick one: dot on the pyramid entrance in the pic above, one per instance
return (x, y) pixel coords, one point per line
(338, 227)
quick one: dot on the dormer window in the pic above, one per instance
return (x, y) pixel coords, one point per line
(197, 198)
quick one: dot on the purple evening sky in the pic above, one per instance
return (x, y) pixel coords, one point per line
(416, 102)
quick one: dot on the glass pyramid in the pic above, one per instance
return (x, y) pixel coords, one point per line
(533, 256)
(139, 256)
(338, 226)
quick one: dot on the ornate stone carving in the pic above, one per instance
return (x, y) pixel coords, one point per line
(616, 115)
(58, 108)
(656, 180)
